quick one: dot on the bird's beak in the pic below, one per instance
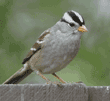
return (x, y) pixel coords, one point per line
(82, 28)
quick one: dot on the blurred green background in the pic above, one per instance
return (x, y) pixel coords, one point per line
(22, 21)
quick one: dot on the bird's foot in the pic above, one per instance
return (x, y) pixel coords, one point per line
(57, 83)
(49, 82)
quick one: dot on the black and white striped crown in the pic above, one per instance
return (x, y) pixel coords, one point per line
(73, 17)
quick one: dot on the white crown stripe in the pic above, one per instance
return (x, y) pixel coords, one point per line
(68, 18)
(79, 16)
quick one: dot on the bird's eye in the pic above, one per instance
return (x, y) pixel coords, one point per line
(71, 24)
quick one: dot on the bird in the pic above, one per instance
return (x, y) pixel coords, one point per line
(55, 48)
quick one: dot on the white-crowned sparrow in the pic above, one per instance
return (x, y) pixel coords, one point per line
(55, 48)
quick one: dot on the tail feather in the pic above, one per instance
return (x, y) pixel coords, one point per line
(19, 75)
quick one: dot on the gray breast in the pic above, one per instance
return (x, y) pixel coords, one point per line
(58, 52)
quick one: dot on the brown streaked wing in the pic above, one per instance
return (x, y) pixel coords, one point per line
(43, 35)
(32, 52)
(37, 46)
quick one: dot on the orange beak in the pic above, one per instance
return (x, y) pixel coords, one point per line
(82, 29)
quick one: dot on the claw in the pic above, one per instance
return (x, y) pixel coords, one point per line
(57, 83)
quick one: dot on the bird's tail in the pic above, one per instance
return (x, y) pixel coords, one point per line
(19, 75)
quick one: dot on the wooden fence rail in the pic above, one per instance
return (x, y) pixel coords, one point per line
(52, 92)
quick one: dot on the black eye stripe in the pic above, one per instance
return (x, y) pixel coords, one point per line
(76, 18)
(63, 20)
(71, 24)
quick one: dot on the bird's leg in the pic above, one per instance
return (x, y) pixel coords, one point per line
(61, 80)
(40, 74)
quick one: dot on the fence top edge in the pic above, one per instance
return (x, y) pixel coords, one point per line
(68, 84)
